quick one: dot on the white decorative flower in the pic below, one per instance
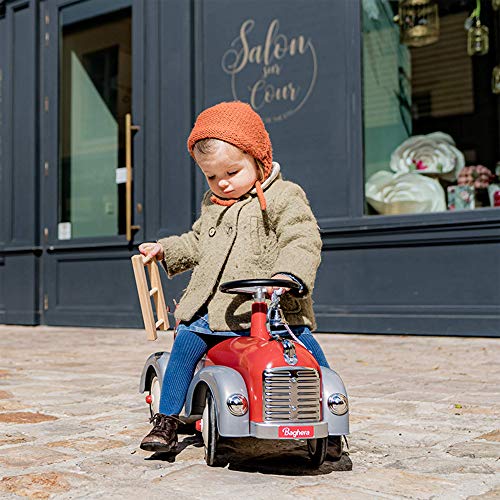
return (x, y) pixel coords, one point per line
(404, 193)
(434, 154)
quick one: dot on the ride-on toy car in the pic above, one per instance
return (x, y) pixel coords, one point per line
(266, 385)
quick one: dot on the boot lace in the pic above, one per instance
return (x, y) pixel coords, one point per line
(163, 422)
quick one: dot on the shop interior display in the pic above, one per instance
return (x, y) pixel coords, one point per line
(404, 193)
(431, 154)
(478, 41)
(477, 176)
(430, 109)
(424, 166)
(418, 162)
(475, 188)
(494, 194)
(495, 79)
(461, 198)
(418, 21)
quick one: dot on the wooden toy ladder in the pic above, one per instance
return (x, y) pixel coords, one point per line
(145, 294)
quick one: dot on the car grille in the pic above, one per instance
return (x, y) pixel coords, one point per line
(291, 395)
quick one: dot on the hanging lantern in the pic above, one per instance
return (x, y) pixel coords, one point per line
(495, 80)
(478, 40)
(418, 22)
(477, 35)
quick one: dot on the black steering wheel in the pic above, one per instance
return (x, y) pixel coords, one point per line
(252, 286)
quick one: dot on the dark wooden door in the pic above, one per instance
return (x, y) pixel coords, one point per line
(92, 194)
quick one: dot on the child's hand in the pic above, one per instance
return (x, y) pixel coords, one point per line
(270, 289)
(150, 251)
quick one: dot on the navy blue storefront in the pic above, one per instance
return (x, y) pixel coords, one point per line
(91, 88)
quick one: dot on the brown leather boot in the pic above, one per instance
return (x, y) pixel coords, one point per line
(163, 436)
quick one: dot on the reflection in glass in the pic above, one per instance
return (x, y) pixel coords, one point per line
(95, 95)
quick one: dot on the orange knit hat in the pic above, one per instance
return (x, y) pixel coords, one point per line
(237, 123)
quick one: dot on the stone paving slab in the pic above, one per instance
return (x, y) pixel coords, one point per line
(424, 423)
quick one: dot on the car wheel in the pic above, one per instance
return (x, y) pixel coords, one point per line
(317, 450)
(154, 392)
(210, 434)
(335, 447)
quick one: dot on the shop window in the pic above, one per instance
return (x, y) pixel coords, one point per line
(431, 105)
(95, 95)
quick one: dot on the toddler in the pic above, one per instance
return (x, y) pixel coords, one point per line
(253, 224)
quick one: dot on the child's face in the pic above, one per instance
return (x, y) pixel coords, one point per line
(230, 172)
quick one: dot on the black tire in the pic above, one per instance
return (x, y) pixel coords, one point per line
(335, 447)
(317, 449)
(210, 434)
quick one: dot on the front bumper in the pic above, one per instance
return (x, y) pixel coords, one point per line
(289, 430)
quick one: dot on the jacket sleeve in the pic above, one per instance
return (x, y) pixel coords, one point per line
(299, 240)
(181, 253)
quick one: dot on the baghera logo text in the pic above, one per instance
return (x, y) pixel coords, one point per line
(302, 432)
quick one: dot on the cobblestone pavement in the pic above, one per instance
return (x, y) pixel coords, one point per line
(424, 423)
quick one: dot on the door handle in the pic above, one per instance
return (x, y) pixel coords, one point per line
(128, 184)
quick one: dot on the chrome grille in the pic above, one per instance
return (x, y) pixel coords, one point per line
(291, 394)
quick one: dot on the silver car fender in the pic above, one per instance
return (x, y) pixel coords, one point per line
(222, 382)
(158, 362)
(338, 425)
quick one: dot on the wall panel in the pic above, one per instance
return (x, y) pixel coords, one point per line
(3, 218)
(19, 163)
(291, 60)
(22, 122)
(435, 289)
(92, 289)
(20, 288)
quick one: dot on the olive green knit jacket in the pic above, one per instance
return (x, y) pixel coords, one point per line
(244, 242)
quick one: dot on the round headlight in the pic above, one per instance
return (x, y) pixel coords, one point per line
(237, 404)
(337, 403)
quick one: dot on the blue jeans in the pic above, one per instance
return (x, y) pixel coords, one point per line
(192, 342)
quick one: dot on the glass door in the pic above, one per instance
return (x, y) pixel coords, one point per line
(95, 101)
